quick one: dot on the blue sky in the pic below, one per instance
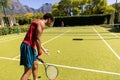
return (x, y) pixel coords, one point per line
(38, 3)
(112, 1)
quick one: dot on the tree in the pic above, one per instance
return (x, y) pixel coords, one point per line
(82, 7)
(29, 15)
(66, 8)
(37, 15)
(55, 11)
(95, 6)
(116, 6)
(109, 9)
(5, 4)
(78, 6)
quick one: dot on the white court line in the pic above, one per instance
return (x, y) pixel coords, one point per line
(55, 37)
(9, 58)
(9, 37)
(6, 40)
(70, 67)
(111, 33)
(118, 57)
(86, 69)
(16, 57)
(14, 38)
(76, 34)
(46, 41)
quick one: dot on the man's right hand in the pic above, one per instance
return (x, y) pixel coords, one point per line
(39, 57)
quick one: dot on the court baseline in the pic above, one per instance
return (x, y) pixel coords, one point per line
(70, 67)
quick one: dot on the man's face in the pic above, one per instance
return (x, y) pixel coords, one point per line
(49, 21)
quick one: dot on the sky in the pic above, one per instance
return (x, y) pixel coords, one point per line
(112, 1)
(38, 3)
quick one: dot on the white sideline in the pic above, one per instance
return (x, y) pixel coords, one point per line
(70, 67)
(16, 37)
(118, 57)
(111, 33)
(9, 37)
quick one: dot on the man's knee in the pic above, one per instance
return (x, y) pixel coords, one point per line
(35, 65)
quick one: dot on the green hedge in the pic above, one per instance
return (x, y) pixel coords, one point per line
(82, 20)
(117, 18)
(13, 29)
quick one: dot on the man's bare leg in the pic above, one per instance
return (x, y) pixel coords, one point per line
(26, 74)
(35, 70)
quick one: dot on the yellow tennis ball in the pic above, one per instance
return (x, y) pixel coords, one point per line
(58, 51)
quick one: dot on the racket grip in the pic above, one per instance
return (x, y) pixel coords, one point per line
(41, 60)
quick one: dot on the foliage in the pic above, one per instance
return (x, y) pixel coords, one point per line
(82, 7)
(109, 9)
(76, 11)
(6, 3)
(82, 20)
(22, 20)
(28, 17)
(95, 7)
(37, 16)
(116, 6)
(3, 31)
(56, 11)
(14, 29)
(64, 7)
(117, 12)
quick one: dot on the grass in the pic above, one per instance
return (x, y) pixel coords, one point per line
(87, 59)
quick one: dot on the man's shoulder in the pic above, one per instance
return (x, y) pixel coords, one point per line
(37, 21)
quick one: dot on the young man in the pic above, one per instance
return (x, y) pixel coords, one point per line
(31, 42)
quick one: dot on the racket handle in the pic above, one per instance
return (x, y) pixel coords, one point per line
(41, 60)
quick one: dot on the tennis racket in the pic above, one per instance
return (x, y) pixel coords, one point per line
(50, 70)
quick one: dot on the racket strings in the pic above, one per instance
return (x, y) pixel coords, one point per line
(51, 72)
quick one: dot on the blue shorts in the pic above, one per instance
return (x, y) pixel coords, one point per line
(28, 55)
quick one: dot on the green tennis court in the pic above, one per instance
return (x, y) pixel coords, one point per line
(95, 57)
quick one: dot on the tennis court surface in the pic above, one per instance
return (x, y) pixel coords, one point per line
(85, 53)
